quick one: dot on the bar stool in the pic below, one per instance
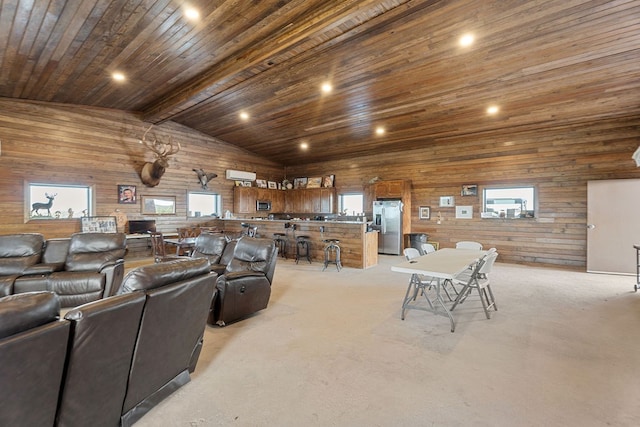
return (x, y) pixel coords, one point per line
(281, 243)
(332, 246)
(302, 248)
(249, 230)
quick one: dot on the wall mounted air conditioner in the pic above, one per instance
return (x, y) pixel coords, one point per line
(240, 175)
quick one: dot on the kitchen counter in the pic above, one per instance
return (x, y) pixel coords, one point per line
(355, 242)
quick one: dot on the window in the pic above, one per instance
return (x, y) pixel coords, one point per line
(50, 201)
(509, 202)
(204, 204)
(351, 204)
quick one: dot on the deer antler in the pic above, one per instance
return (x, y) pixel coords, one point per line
(162, 150)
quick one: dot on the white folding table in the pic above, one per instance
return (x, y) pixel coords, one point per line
(442, 265)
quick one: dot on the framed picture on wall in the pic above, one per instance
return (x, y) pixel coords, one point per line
(127, 194)
(424, 212)
(272, 185)
(447, 201)
(469, 190)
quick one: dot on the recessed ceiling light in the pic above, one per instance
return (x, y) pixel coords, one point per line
(117, 76)
(304, 145)
(244, 115)
(326, 87)
(380, 130)
(493, 109)
(191, 13)
(466, 40)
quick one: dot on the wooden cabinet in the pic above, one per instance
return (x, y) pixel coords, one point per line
(308, 200)
(244, 200)
(391, 189)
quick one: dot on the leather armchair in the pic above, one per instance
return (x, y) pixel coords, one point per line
(33, 346)
(178, 300)
(18, 252)
(93, 269)
(245, 286)
(217, 248)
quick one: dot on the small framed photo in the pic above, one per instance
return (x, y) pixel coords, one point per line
(469, 190)
(464, 212)
(447, 201)
(246, 183)
(272, 185)
(314, 182)
(239, 183)
(261, 183)
(127, 194)
(424, 212)
(300, 183)
(327, 181)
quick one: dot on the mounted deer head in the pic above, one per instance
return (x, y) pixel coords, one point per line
(152, 172)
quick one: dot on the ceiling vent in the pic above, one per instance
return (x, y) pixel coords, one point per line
(240, 175)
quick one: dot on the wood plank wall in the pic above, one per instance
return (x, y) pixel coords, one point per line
(43, 142)
(61, 144)
(558, 161)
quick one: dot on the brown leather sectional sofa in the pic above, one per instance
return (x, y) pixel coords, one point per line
(83, 268)
(107, 362)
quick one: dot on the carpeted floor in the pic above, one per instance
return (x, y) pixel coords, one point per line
(331, 350)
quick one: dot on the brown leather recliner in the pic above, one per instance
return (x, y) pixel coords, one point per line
(93, 269)
(217, 248)
(18, 252)
(178, 300)
(245, 286)
(33, 346)
(101, 346)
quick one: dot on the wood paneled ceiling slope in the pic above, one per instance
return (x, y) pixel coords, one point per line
(394, 64)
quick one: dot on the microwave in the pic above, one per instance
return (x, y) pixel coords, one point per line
(263, 205)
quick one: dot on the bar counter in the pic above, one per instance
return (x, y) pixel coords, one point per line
(359, 248)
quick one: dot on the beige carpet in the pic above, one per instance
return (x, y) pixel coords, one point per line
(331, 350)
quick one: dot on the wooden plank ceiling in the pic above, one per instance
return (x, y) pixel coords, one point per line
(392, 63)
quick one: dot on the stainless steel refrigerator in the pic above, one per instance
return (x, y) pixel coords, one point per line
(387, 219)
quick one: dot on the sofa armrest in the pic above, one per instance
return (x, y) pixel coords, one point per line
(114, 272)
(44, 268)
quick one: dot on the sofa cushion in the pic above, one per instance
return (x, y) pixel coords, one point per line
(21, 312)
(163, 273)
(91, 251)
(209, 246)
(252, 254)
(19, 251)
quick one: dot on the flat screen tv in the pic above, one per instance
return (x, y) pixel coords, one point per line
(142, 226)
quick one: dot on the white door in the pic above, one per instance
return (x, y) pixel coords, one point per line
(613, 207)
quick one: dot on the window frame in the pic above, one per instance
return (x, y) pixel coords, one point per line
(354, 193)
(530, 212)
(90, 203)
(217, 204)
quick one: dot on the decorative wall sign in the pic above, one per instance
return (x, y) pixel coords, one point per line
(272, 185)
(424, 212)
(99, 224)
(469, 190)
(447, 201)
(464, 212)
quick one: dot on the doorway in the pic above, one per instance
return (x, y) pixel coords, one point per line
(612, 225)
